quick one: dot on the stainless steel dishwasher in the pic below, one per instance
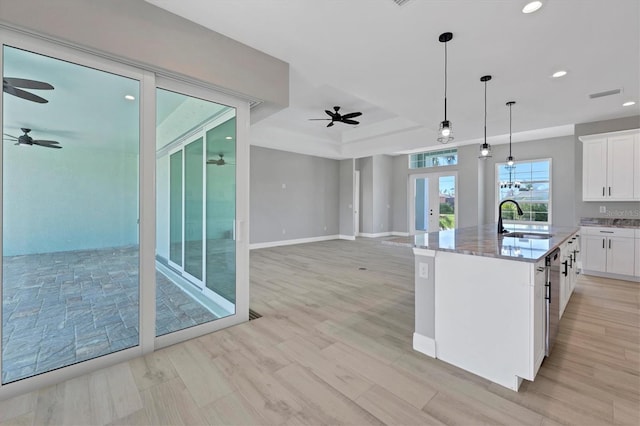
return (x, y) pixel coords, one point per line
(552, 297)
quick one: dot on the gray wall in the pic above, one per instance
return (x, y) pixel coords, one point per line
(48, 209)
(346, 198)
(308, 203)
(365, 165)
(592, 208)
(561, 152)
(138, 32)
(382, 182)
(399, 179)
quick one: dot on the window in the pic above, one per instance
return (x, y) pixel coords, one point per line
(528, 183)
(422, 160)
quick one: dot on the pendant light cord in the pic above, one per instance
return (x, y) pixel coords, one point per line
(445, 81)
(510, 129)
(485, 112)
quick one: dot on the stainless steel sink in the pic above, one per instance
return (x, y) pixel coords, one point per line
(528, 235)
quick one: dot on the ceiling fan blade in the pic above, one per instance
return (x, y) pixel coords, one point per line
(330, 124)
(38, 141)
(8, 136)
(350, 121)
(316, 119)
(329, 113)
(47, 145)
(352, 115)
(28, 84)
(24, 94)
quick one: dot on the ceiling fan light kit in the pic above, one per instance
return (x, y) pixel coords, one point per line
(485, 148)
(445, 130)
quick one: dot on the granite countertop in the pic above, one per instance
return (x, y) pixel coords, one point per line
(484, 241)
(610, 222)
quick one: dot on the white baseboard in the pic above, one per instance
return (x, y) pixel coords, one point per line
(347, 237)
(609, 275)
(377, 235)
(292, 242)
(384, 234)
(424, 344)
(399, 234)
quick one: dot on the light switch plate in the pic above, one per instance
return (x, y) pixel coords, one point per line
(603, 209)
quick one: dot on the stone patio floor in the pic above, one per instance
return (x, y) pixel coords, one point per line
(62, 308)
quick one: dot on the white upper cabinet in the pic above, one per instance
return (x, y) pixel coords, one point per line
(610, 166)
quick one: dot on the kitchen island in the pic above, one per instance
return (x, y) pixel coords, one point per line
(480, 298)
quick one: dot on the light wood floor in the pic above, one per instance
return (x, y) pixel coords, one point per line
(334, 347)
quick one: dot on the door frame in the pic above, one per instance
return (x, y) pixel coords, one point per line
(411, 184)
(356, 203)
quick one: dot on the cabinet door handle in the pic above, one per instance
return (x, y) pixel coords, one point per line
(603, 243)
(609, 191)
(603, 191)
(609, 243)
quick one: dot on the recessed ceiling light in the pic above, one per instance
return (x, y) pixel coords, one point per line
(560, 73)
(629, 103)
(532, 6)
(229, 138)
(130, 97)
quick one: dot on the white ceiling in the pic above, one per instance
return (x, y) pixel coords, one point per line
(386, 61)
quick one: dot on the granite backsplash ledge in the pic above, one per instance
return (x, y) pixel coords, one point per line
(614, 222)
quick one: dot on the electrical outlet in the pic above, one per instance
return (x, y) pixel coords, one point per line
(423, 270)
(284, 231)
(603, 209)
(284, 186)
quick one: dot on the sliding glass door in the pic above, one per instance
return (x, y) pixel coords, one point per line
(70, 247)
(199, 156)
(113, 244)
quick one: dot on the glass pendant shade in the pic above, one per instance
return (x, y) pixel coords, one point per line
(445, 132)
(485, 150)
(510, 160)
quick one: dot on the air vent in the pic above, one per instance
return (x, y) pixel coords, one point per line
(605, 93)
(401, 2)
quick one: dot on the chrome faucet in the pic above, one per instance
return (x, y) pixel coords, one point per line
(501, 229)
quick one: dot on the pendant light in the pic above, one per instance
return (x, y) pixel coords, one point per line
(510, 157)
(445, 130)
(485, 148)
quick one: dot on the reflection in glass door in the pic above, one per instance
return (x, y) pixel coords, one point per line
(70, 259)
(433, 203)
(175, 209)
(196, 244)
(193, 216)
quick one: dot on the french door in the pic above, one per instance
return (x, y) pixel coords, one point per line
(433, 205)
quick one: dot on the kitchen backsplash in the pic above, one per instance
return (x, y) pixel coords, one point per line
(610, 221)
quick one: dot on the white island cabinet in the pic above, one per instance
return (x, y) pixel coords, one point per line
(480, 300)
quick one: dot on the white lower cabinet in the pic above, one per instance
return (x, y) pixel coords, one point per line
(538, 322)
(569, 252)
(609, 250)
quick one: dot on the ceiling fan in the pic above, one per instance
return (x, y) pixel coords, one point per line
(220, 161)
(28, 140)
(337, 118)
(11, 86)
